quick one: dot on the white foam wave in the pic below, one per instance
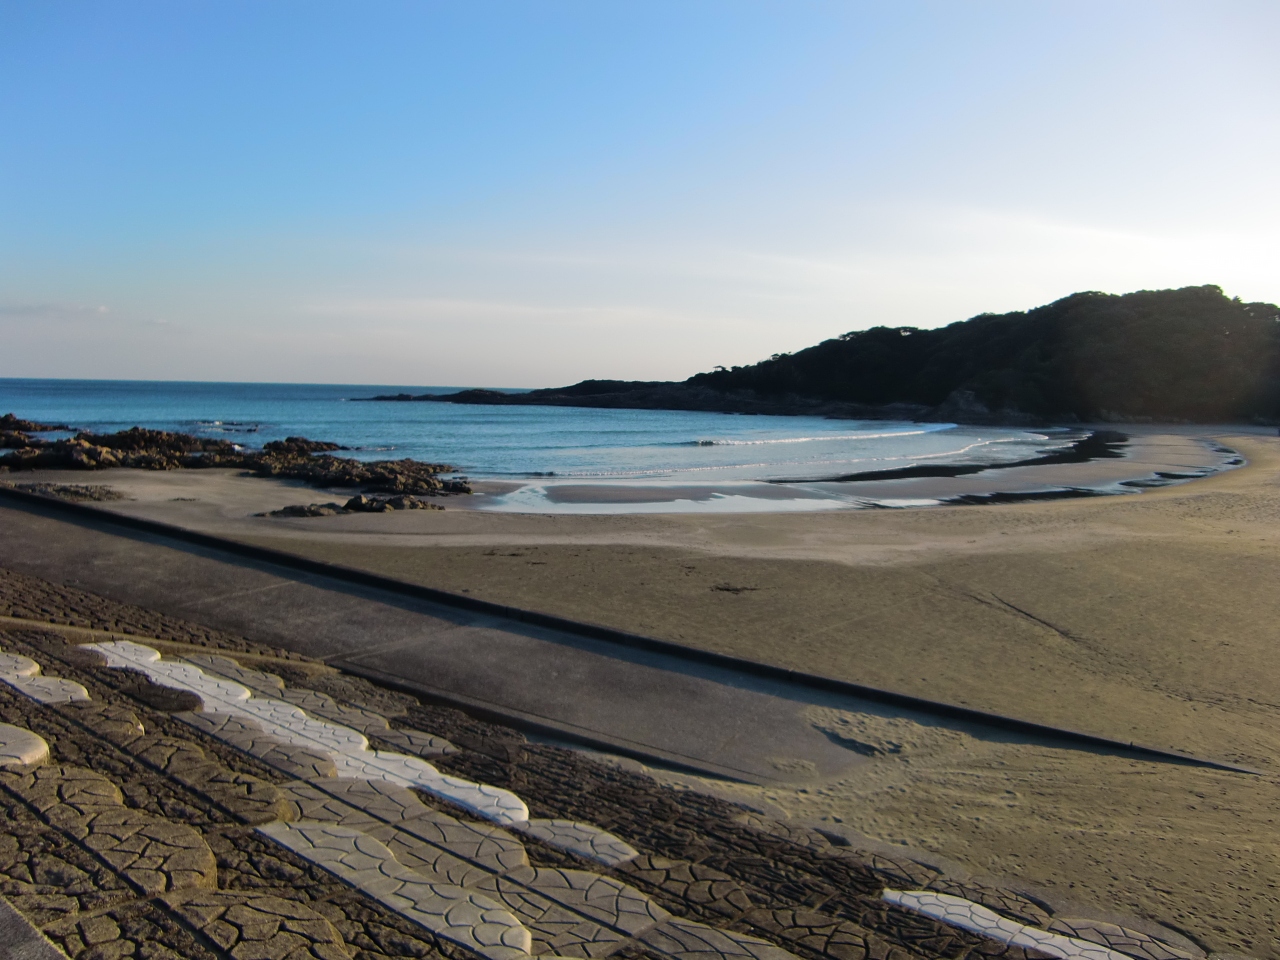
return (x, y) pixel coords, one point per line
(828, 437)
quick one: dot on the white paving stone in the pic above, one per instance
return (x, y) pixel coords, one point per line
(21, 748)
(447, 910)
(23, 674)
(290, 724)
(16, 665)
(973, 916)
(587, 841)
(267, 684)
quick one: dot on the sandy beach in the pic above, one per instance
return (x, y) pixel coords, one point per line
(1147, 617)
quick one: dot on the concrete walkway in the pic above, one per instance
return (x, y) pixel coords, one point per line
(648, 705)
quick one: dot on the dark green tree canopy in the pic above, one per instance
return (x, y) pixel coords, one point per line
(1188, 354)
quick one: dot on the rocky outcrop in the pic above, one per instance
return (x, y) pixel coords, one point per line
(76, 492)
(300, 446)
(360, 503)
(306, 510)
(294, 458)
(10, 423)
(363, 504)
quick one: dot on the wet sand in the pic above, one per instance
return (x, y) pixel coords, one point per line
(1149, 617)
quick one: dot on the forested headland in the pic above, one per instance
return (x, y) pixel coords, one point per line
(1191, 354)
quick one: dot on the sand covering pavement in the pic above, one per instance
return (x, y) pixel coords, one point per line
(144, 829)
(1152, 617)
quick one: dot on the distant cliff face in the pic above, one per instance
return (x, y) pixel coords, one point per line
(1189, 354)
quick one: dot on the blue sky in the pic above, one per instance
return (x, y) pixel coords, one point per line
(530, 193)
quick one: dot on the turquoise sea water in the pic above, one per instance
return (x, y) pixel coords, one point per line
(516, 442)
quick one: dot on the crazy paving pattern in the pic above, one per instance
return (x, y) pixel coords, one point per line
(347, 748)
(195, 807)
(23, 674)
(980, 919)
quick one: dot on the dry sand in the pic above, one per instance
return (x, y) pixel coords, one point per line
(1152, 617)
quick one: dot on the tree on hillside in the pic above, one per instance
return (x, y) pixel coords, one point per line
(1191, 354)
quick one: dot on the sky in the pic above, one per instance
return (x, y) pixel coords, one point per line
(531, 193)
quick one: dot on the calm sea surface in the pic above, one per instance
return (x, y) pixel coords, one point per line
(516, 442)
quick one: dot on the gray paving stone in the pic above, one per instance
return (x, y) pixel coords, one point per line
(451, 912)
(256, 926)
(616, 905)
(555, 929)
(308, 802)
(489, 847)
(248, 736)
(322, 705)
(155, 855)
(21, 748)
(968, 915)
(418, 743)
(578, 911)
(583, 839)
(687, 940)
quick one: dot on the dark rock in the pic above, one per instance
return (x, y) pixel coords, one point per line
(293, 459)
(10, 423)
(75, 492)
(362, 503)
(299, 446)
(307, 510)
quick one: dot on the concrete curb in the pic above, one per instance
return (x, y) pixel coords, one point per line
(592, 631)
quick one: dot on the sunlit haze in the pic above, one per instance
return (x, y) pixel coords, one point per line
(528, 194)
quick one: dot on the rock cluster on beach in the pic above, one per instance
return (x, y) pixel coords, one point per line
(360, 503)
(294, 458)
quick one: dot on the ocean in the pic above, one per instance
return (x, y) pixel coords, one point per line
(485, 442)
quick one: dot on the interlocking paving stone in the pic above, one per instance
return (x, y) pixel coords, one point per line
(973, 916)
(313, 804)
(826, 935)
(575, 907)
(706, 889)
(246, 735)
(143, 929)
(1004, 902)
(488, 847)
(260, 926)
(449, 911)
(418, 743)
(686, 940)
(765, 888)
(348, 748)
(266, 684)
(603, 899)
(20, 939)
(1131, 942)
(21, 748)
(554, 928)
(368, 721)
(155, 855)
(23, 674)
(585, 840)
